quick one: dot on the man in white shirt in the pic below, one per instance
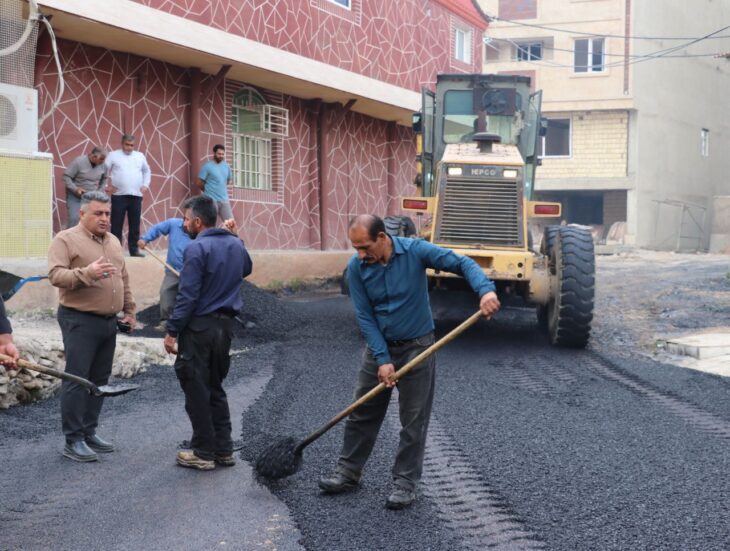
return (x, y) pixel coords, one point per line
(128, 177)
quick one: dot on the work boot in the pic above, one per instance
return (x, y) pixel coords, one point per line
(224, 459)
(192, 461)
(400, 498)
(98, 444)
(79, 451)
(338, 483)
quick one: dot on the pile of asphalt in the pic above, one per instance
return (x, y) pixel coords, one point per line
(264, 316)
(314, 377)
(579, 460)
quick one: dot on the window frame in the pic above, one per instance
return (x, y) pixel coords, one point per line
(589, 67)
(347, 5)
(246, 146)
(467, 44)
(543, 140)
(527, 47)
(705, 142)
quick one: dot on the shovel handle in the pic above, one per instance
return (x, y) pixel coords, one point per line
(156, 257)
(395, 377)
(53, 373)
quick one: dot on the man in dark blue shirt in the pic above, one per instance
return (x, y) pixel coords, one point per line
(389, 290)
(200, 329)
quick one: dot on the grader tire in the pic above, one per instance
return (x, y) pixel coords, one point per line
(570, 311)
(546, 248)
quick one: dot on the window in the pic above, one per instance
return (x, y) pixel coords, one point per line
(462, 45)
(705, 142)
(528, 51)
(556, 141)
(589, 55)
(459, 118)
(343, 3)
(251, 152)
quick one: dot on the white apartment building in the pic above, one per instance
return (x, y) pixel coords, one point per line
(636, 97)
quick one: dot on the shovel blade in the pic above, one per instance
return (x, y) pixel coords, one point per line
(115, 390)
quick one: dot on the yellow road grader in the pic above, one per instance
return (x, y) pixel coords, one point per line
(477, 142)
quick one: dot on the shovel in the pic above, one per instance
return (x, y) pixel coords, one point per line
(11, 283)
(105, 390)
(284, 457)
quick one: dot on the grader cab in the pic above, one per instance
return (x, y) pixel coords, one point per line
(478, 139)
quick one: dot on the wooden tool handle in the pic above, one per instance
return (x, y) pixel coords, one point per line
(173, 270)
(395, 377)
(52, 372)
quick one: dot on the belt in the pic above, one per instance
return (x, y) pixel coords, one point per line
(220, 315)
(401, 342)
(75, 311)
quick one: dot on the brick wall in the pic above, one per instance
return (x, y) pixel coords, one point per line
(598, 147)
(518, 9)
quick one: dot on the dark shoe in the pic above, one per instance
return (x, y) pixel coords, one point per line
(79, 451)
(338, 483)
(192, 461)
(99, 445)
(137, 253)
(400, 498)
(224, 459)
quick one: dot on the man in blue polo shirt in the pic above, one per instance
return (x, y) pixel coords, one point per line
(214, 179)
(389, 290)
(177, 241)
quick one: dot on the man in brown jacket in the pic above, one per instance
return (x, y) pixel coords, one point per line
(87, 265)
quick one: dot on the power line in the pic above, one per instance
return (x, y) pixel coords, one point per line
(583, 33)
(646, 57)
(522, 45)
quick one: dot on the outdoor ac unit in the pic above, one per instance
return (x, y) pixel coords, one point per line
(18, 118)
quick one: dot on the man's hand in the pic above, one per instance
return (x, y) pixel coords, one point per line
(102, 269)
(489, 304)
(141, 243)
(131, 320)
(79, 192)
(7, 347)
(170, 344)
(385, 372)
(231, 226)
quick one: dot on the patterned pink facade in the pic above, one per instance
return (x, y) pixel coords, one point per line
(369, 162)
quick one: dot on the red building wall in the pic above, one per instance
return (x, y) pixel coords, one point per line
(402, 42)
(107, 93)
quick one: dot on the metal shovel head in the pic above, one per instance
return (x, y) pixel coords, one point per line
(7, 282)
(114, 390)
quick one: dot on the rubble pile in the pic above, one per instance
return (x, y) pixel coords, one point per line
(19, 386)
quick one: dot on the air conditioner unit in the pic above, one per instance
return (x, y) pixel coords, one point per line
(18, 118)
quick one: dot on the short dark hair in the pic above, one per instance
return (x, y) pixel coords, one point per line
(218, 146)
(128, 138)
(371, 222)
(203, 207)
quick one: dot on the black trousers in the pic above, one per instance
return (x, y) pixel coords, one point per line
(202, 364)
(89, 342)
(131, 205)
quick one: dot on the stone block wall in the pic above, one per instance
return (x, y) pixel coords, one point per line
(599, 147)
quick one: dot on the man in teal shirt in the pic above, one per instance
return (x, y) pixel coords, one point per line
(389, 290)
(214, 179)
